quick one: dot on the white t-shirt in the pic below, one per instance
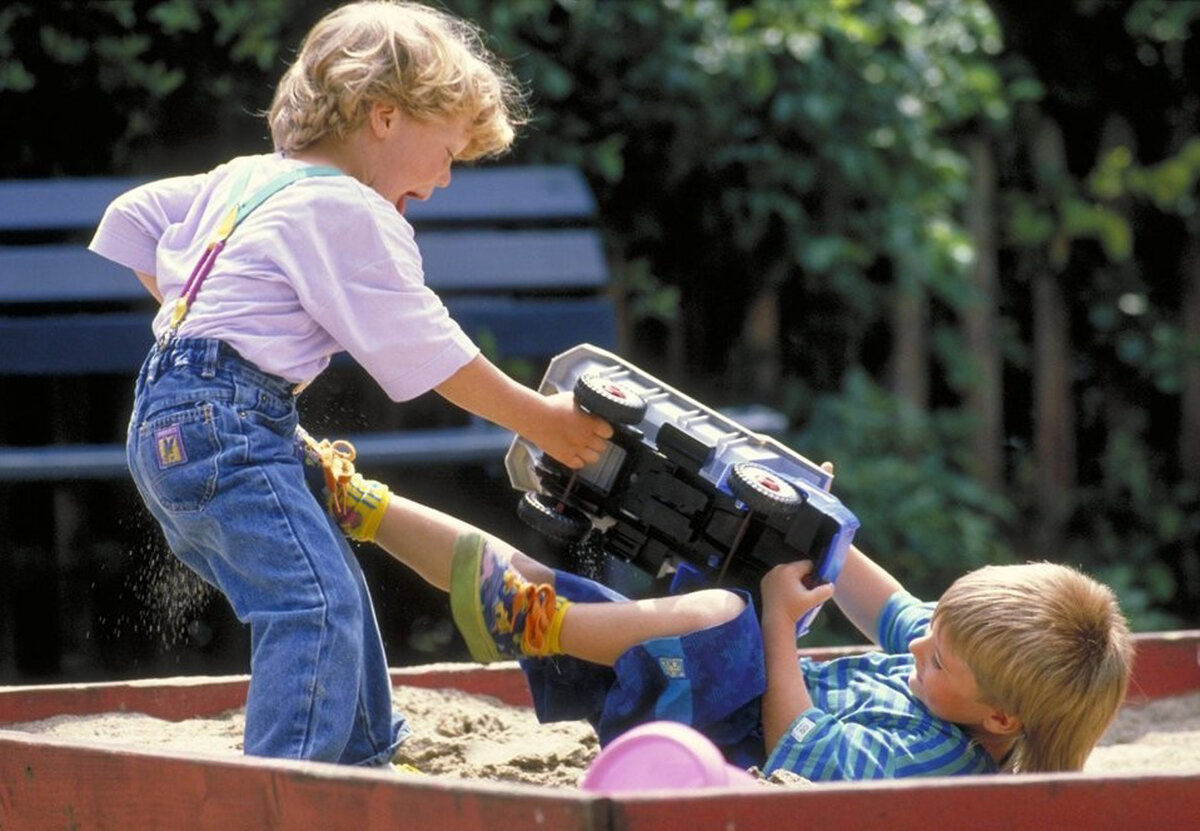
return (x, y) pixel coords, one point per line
(322, 266)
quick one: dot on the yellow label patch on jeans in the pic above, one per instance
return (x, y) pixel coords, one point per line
(168, 443)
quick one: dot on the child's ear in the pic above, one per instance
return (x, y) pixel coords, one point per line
(381, 118)
(1000, 723)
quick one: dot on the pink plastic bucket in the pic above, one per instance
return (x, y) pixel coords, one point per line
(661, 755)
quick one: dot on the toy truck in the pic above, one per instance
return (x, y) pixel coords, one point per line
(683, 496)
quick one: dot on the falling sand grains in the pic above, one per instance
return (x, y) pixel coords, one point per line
(170, 597)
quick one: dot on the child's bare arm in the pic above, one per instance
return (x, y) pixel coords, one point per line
(552, 422)
(151, 284)
(862, 589)
(785, 600)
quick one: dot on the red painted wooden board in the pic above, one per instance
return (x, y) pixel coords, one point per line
(1053, 802)
(54, 784)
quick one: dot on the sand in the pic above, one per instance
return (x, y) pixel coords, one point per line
(1163, 735)
(477, 737)
(454, 734)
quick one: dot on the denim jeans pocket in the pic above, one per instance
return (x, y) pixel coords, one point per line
(177, 457)
(267, 411)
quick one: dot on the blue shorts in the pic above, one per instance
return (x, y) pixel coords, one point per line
(712, 680)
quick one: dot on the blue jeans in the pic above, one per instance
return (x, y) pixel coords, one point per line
(211, 447)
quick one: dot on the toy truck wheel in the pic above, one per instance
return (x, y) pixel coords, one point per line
(610, 400)
(763, 490)
(562, 523)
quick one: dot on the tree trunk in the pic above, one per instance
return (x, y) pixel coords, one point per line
(761, 337)
(1054, 409)
(910, 337)
(1189, 434)
(1054, 422)
(984, 395)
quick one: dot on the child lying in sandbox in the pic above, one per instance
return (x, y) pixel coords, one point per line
(1016, 668)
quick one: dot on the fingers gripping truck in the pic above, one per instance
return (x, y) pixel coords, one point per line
(683, 496)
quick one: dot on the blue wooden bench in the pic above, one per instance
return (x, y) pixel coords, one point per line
(513, 251)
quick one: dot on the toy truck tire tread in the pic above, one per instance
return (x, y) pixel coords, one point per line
(763, 491)
(610, 400)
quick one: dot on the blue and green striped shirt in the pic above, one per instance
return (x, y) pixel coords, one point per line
(865, 723)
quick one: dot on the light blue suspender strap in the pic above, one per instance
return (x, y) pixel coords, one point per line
(237, 211)
(244, 209)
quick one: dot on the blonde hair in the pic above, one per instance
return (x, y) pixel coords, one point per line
(1047, 644)
(430, 64)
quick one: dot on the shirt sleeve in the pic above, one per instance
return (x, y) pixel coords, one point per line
(902, 619)
(132, 225)
(362, 281)
(400, 332)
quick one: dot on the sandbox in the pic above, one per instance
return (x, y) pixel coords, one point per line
(54, 783)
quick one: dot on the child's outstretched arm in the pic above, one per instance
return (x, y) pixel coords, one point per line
(785, 600)
(552, 422)
(862, 589)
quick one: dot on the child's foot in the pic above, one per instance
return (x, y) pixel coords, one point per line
(499, 613)
(358, 504)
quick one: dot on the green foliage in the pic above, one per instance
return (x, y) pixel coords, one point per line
(96, 83)
(1145, 340)
(1133, 518)
(794, 144)
(14, 75)
(1086, 220)
(922, 517)
(1136, 521)
(1116, 240)
(1160, 29)
(1171, 185)
(648, 298)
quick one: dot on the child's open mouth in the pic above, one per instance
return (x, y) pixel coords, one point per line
(402, 202)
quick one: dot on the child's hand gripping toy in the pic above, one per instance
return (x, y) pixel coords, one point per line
(683, 496)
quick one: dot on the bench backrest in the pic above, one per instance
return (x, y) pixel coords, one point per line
(511, 250)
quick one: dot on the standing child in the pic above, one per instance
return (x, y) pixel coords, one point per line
(268, 265)
(1018, 668)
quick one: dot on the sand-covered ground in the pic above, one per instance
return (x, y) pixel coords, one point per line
(477, 737)
(1163, 735)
